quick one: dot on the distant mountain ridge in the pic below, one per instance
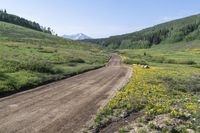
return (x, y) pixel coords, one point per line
(79, 36)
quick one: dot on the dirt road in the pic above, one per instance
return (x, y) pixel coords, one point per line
(64, 106)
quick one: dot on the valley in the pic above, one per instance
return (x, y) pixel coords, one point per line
(146, 81)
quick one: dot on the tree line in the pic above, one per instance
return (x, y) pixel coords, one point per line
(178, 30)
(10, 18)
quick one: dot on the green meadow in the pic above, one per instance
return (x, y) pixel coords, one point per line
(30, 58)
(165, 84)
(166, 94)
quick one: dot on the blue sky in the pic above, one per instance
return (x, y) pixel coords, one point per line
(100, 18)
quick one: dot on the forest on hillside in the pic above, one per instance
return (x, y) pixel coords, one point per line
(186, 29)
(9, 18)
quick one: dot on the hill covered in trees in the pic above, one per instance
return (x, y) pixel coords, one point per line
(185, 29)
(9, 18)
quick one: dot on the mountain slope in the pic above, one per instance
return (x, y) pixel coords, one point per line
(30, 58)
(185, 29)
(79, 36)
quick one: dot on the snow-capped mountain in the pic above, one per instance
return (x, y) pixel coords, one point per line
(79, 36)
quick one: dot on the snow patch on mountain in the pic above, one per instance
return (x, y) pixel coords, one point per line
(79, 36)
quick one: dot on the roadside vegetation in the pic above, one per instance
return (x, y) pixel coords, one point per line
(167, 94)
(30, 58)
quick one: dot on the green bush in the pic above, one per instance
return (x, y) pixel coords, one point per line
(32, 65)
(190, 84)
(187, 62)
(77, 60)
(170, 61)
(157, 59)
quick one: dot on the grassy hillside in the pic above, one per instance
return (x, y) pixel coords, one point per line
(13, 19)
(167, 95)
(186, 29)
(29, 58)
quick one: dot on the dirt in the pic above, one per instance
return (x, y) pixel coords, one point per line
(64, 106)
(115, 126)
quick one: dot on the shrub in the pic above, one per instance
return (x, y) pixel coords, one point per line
(135, 61)
(32, 65)
(190, 84)
(187, 62)
(157, 59)
(170, 61)
(77, 60)
(196, 65)
(47, 50)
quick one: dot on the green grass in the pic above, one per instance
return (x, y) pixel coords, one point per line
(30, 58)
(178, 53)
(167, 93)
